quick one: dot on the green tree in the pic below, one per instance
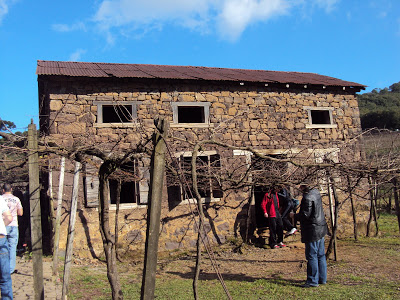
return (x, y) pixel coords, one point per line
(381, 108)
(6, 124)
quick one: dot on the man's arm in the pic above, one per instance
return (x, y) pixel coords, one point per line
(264, 205)
(7, 217)
(306, 208)
(20, 211)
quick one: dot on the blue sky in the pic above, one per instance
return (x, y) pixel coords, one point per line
(354, 40)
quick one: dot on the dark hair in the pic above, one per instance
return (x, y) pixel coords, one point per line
(305, 188)
(7, 187)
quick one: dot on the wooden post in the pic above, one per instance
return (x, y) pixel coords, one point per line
(58, 216)
(71, 231)
(51, 205)
(396, 200)
(154, 210)
(332, 210)
(36, 218)
(335, 196)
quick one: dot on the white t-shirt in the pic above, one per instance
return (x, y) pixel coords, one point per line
(3, 208)
(13, 204)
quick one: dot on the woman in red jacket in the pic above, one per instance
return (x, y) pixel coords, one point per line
(270, 206)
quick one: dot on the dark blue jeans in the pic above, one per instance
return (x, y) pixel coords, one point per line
(316, 262)
(5, 276)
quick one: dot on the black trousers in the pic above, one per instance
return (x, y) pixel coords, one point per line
(275, 231)
(287, 225)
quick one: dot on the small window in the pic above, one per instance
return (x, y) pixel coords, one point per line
(129, 192)
(117, 113)
(208, 166)
(190, 114)
(112, 112)
(134, 185)
(320, 117)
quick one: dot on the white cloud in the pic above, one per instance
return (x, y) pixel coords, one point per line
(327, 5)
(229, 17)
(76, 56)
(112, 13)
(68, 28)
(4, 7)
(237, 15)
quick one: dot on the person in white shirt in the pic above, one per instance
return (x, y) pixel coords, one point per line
(5, 276)
(15, 207)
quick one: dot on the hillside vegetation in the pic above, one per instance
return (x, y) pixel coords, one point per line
(381, 108)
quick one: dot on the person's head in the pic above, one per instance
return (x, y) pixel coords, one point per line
(304, 188)
(7, 188)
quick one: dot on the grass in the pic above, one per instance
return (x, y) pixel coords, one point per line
(362, 273)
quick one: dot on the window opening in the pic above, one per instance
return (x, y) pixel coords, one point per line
(129, 189)
(320, 117)
(117, 113)
(208, 167)
(134, 177)
(191, 114)
(129, 192)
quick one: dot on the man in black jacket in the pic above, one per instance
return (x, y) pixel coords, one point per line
(313, 230)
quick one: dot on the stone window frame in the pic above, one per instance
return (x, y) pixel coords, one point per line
(310, 124)
(99, 119)
(210, 199)
(175, 115)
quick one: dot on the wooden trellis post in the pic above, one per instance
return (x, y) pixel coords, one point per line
(71, 231)
(58, 216)
(36, 217)
(154, 210)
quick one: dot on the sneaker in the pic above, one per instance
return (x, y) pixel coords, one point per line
(308, 285)
(281, 245)
(293, 231)
(276, 247)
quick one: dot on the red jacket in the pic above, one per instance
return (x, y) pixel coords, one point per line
(267, 204)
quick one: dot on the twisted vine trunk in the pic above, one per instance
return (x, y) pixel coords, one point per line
(396, 199)
(372, 212)
(353, 209)
(108, 239)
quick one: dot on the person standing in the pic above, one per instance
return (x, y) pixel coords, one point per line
(313, 230)
(286, 205)
(5, 275)
(15, 207)
(270, 206)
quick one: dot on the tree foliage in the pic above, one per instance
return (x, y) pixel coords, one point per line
(4, 125)
(381, 108)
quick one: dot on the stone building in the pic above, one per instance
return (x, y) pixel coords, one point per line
(113, 106)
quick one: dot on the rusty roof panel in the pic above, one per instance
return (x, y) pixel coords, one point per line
(87, 69)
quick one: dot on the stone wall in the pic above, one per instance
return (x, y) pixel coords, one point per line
(265, 118)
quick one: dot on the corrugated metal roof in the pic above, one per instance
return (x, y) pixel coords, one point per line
(86, 69)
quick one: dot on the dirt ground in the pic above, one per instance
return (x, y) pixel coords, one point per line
(355, 262)
(354, 259)
(286, 263)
